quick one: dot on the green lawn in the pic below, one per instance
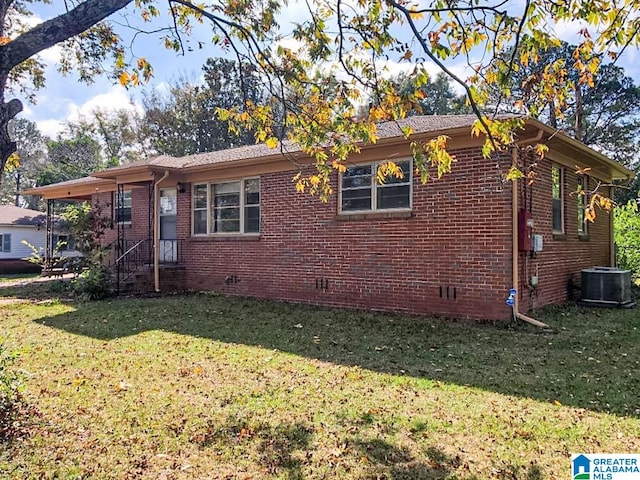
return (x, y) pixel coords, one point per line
(204, 386)
(16, 277)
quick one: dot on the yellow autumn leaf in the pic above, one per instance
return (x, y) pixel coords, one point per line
(124, 79)
(514, 173)
(271, 142)
(13, 162)
(340, 167)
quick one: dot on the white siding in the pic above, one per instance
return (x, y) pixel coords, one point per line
(37, 238)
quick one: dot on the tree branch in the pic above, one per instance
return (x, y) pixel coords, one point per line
(56, 30)
(443, 67)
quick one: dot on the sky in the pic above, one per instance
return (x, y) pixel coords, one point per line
(65, 98)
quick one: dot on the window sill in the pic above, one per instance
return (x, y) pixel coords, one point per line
(583, 237)
(559, 236)
(374, 215)
(226, 238)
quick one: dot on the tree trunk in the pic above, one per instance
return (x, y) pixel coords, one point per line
(7, 112)
(18, 189)
(39, 38)
(579, 126)
(553, 120)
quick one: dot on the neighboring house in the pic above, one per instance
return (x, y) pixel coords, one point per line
(20, 225)
(232, 222)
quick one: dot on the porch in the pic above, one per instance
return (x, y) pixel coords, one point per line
(139, 240)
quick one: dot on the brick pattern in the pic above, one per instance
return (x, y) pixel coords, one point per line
(138, 229)
(307, 253)
(450, 256)
(142, 282)
(558, 266)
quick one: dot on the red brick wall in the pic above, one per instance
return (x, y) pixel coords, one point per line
(457, 237)
(558, 266)
(139, 226)
(455, 243)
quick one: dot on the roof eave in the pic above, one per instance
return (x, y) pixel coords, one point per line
(81, 191)
(617, 171)
(124, 172)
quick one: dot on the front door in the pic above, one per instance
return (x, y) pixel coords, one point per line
(168, 232)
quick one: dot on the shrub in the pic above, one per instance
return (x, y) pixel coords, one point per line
(627, 237)
(93, 284)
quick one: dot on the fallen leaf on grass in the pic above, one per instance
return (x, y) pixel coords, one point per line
(121, 386)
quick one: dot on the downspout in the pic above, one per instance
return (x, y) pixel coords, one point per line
(514, 236)
(156, 234)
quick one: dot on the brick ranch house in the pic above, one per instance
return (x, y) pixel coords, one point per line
(231, 221)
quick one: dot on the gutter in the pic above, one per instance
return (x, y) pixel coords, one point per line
(514, 236)
(618, 171)
(156, 234)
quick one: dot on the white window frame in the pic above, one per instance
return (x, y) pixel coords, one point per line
(67, 242)
(116, 212)
(210, 208)
(561, 180)
(375, 186)
(3, 237)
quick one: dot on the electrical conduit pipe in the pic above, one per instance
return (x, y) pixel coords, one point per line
(514, 236)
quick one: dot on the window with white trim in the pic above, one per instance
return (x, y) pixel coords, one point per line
(360, 190)
(5, 242)
(122, 206)
(227, 207)
(557, 198)
(62, 243)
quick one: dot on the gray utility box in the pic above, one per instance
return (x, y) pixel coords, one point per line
(606, 287)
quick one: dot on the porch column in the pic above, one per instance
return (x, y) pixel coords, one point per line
(48, 248)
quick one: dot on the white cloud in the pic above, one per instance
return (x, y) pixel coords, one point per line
(51, 56)
(51, 128)
(116, 98)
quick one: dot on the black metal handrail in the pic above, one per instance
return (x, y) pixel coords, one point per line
(137, 253)
(135, 247)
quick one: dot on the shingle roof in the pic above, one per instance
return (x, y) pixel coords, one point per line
(419, 124)
(12, 215)
(75, 181)
(160, 161)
